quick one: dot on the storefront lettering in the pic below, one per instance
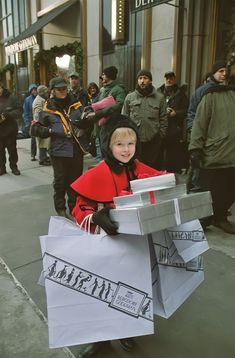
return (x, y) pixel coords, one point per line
(21, 45)
(137, 5)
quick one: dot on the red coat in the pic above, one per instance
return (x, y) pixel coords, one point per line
(100, 185)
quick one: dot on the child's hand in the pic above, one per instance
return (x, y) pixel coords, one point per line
(102, 219)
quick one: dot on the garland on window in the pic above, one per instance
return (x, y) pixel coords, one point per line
(48, 57)
(9, 67)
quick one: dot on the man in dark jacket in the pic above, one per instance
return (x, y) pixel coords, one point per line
(10, 110)
(174, 144)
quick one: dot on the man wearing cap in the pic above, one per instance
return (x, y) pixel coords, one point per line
(75, 91)
(174, 148)
(59, 118)
(147, 108)
(110, 87)
(212, 148)
(43, 143)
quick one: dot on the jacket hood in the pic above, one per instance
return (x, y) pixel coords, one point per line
(33, 85)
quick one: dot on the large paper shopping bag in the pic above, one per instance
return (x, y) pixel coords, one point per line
(189, 239)
(173, 279)
(98, 287)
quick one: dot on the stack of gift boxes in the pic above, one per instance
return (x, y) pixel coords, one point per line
(159, 209)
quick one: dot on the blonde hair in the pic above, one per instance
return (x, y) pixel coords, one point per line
(121, 133)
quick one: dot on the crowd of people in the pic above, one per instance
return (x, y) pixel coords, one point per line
(149, 131)
(175, 134)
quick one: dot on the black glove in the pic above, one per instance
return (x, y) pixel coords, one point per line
(195, 158)
(102, 219)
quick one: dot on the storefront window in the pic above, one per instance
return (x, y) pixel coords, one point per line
(127, 58)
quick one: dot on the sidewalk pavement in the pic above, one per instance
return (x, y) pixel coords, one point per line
(203, 326)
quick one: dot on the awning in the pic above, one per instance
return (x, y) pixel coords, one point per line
(27, 38)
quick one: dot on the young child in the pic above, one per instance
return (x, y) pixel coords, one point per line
(111, 177)
(99, 185)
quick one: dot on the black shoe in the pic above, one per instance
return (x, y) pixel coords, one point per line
(15, 171)
(3, 171)
(127, 344)
(225, 225)
(45, 162)
(91, 349)
(33, 159)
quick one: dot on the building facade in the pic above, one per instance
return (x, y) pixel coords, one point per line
(186, 36)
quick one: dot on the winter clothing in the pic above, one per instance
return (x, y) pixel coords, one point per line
(111, 72)
(57, 82)
(148, 111)
(38, 104)
(174, 146)
(169, 74)
(213, 138)
(218, 65)
(213, 132)
(42, 90)
(118, 92)
(10, 110)
(107, 185)
(146, 73)
(59, 116)
(196, 98)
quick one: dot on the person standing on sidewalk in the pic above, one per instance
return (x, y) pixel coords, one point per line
(10, 110)
(59, 117)
(28, 117)
(174, 150)
(147, 108)
(212, 149)
(76, 92)
(43, 143)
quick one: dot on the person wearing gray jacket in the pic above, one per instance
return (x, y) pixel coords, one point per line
(147, 108)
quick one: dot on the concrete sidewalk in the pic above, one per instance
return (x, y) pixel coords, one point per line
(204, 326)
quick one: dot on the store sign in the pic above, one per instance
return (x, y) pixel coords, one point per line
(21, 45)
(138, 5)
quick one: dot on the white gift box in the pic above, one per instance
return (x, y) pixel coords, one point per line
(153, 183)
(146, 198)
(152, 218)
(145, 219)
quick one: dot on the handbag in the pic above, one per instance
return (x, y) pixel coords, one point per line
(90, 296)
(103, 103)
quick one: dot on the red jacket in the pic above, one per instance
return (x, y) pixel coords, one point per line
(100, 185)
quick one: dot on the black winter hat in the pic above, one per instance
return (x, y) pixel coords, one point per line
(111, 72)
(145, 73)
(119, 121)
(217, 65)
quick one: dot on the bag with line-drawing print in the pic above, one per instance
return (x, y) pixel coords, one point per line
(98, 287)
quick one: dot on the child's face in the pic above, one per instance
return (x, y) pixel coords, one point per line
(124, 149)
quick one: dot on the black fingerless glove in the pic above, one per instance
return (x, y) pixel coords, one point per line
(102, 219)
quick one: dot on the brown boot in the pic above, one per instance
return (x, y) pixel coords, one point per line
(225, 225)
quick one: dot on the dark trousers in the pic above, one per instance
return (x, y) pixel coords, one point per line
(220, 182)
(33, 147)
(8, 143)
(66, 171)
(150, 152)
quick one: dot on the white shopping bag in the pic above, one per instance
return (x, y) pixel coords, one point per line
(173, 279)
(189, 239)
(98, 287)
